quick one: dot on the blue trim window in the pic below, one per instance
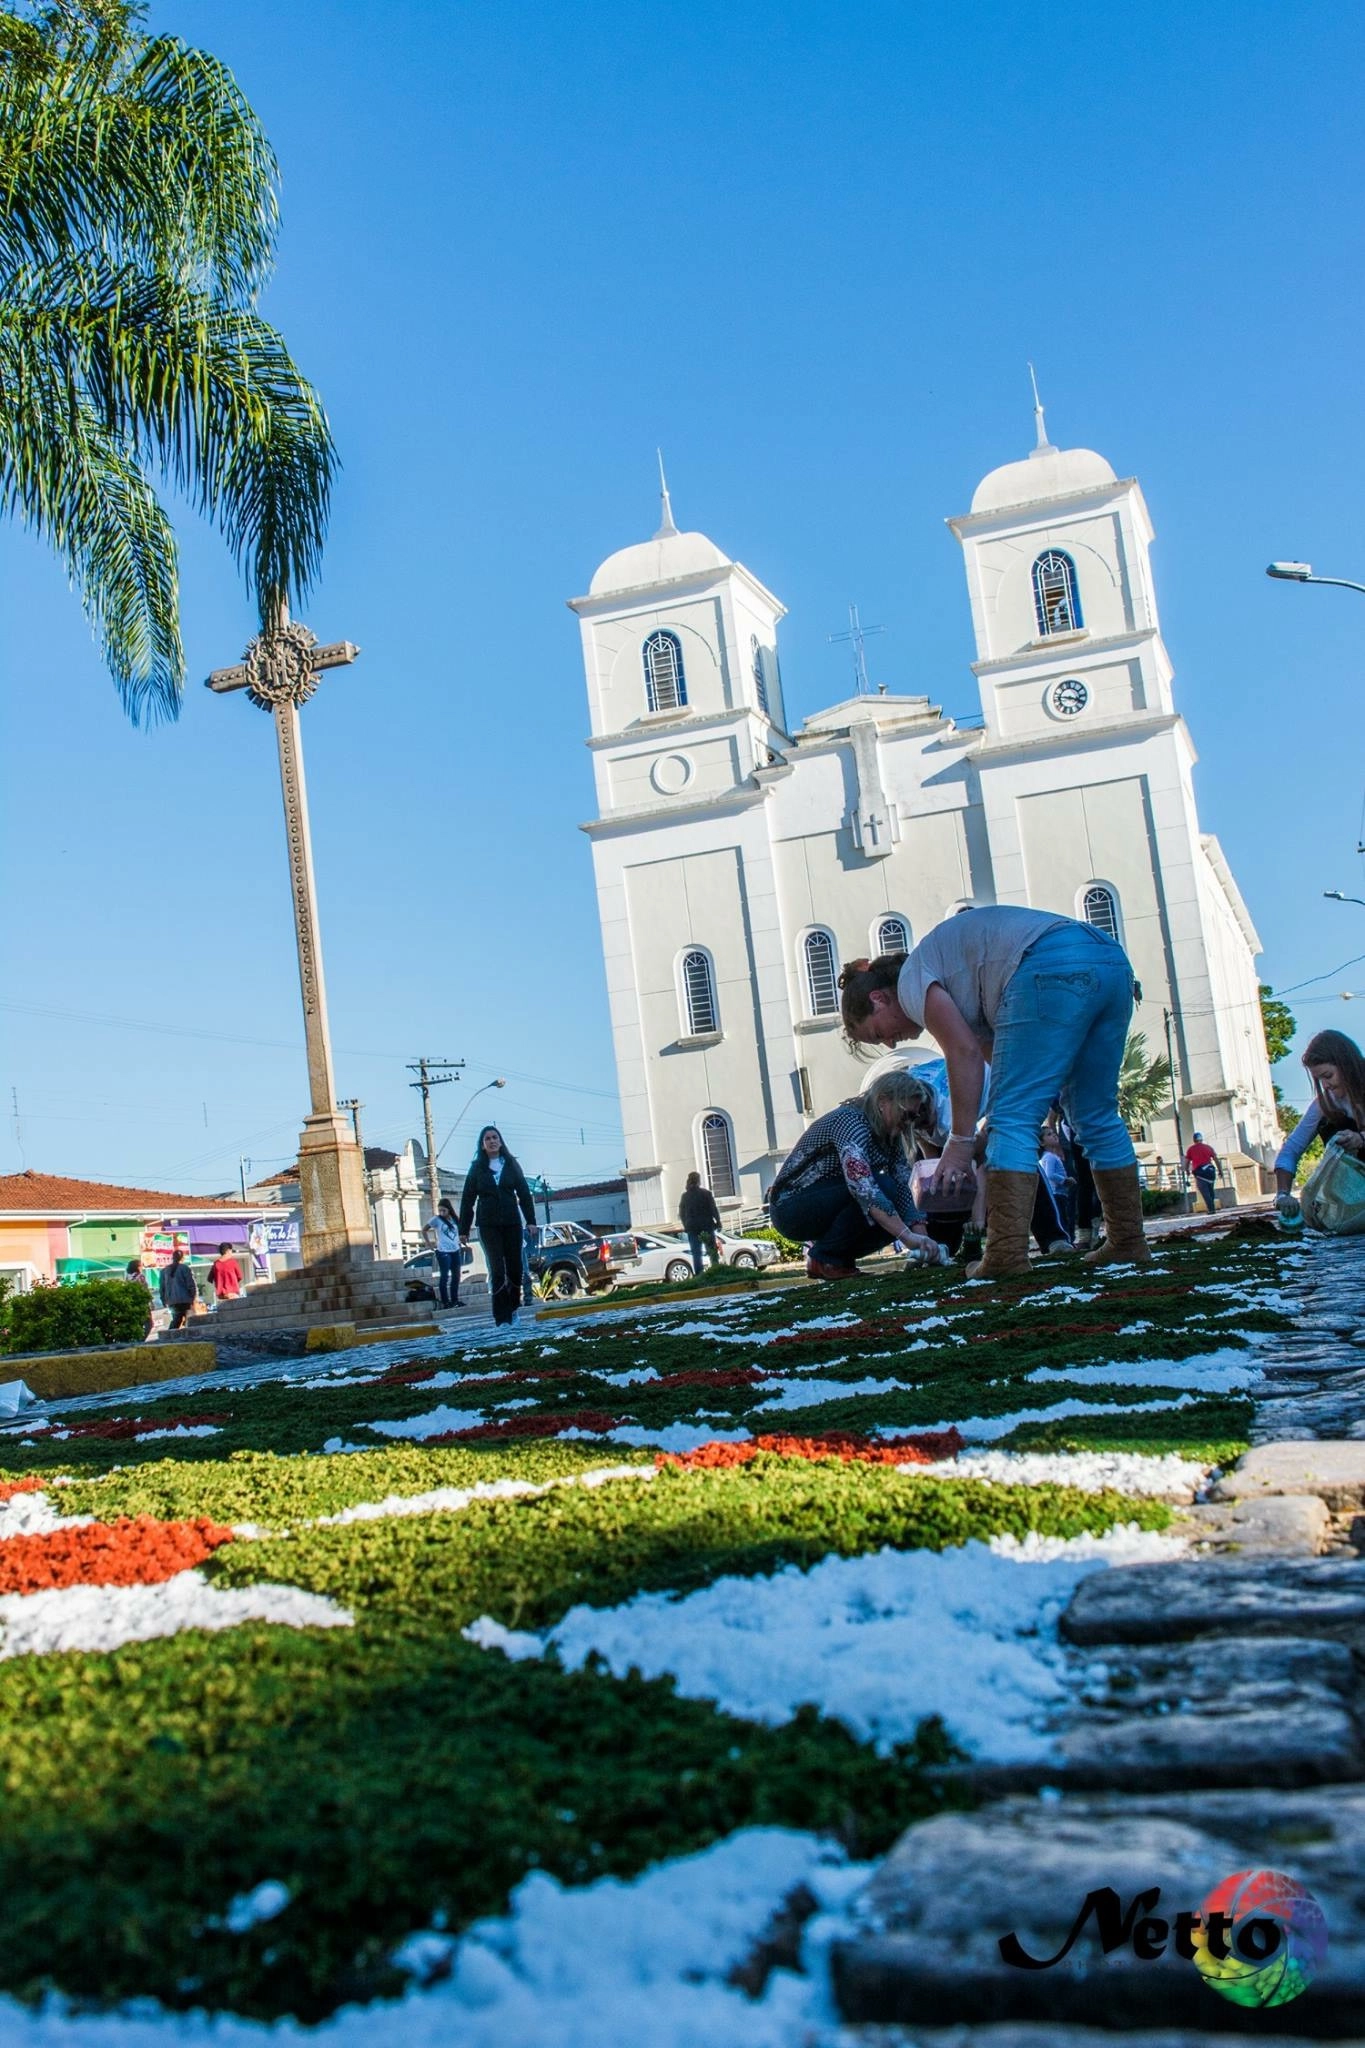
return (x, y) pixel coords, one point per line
(665, 683)
(700, 992)
(1056, 597)
(893, 935)
(822, 984)
(760, 679)
(1101, 910)
(718, 1151)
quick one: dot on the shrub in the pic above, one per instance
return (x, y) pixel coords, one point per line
(787, 1247)
(65, 1318)
(1160, 1201)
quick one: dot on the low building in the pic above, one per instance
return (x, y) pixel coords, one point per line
(52, 1228)
(601, 1204)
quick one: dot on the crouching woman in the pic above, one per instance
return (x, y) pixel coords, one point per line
(1336, 1067)
(845, 1189)
(1048, 1000)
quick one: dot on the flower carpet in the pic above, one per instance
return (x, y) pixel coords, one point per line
(321, 1688)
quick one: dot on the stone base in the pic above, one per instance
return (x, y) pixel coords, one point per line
(349, 1286)
(336, 1211)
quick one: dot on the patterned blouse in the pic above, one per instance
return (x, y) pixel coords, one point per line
(843, 1144)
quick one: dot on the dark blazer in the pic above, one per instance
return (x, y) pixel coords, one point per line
(495, 1205)
(697, 1210)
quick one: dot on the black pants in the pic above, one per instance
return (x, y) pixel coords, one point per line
(449, 1266)
(827, 1217)
(502, 1249)
(1048, 1223)
(179, 1310)
(1205, 1183)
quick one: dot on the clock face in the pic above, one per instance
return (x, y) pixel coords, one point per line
(1069, 697)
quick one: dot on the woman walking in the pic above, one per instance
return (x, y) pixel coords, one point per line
(496, 1196)
(445, 1233)
(1049, 1000)
(700, 1219)
(1336, 1067)
(179, 1289)
(845, 1188)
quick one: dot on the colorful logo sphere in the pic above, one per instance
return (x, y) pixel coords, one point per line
(1277, 1938)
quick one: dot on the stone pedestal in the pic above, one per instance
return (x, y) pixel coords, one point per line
(336, 1211)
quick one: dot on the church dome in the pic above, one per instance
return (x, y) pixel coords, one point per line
(1046, 473)
(666, 559)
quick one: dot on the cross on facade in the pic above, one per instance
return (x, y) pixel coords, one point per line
(280, 670)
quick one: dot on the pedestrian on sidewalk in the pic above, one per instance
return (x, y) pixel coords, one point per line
(1336, 1067)
(225, 1275)
(1049, 1000)
(444, 1228)
(1202, 1161)
(179, 1289)
(496, 1196)
(700, 1219)
(845, 1187)
(134, 1271)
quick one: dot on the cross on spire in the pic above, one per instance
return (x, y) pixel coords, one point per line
(1044, 446)
(857, 636)
(667, 530)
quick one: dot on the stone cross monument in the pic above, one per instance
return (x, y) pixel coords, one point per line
(279, 671)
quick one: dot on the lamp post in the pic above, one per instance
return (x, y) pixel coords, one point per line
(1335, 896)
(1302, 572)
(469, 1099)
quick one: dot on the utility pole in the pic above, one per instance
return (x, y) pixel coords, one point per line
(428, 1079)
(353, 1109)
(1168, 1017)
(242, 1165)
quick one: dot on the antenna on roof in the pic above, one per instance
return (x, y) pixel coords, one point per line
(667, 530)
(1044, 446)
(857, 637)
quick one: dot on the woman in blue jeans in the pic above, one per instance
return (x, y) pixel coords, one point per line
(1048, 1000)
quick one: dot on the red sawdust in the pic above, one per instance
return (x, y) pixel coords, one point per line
(129, 1426)
(842, 1334)
(926, 1448)
(132, 1551)
(737, 1376)
(33, 1484)
(531, 1425)
(1066, 1330)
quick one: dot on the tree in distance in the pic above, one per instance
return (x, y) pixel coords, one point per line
(1144, 1085)
(139, 208)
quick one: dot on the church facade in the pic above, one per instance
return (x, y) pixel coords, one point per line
(740, 863)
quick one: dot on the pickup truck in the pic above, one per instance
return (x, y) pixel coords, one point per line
(567, 1259)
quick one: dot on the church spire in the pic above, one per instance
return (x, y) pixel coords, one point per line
(1044, 446)
(667, 530)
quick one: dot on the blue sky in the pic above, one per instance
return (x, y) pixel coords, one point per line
(808, 250)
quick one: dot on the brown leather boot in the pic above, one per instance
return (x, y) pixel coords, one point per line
(1009, 1217)
(1125, 1243)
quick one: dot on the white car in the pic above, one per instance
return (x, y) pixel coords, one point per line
(664, 1255)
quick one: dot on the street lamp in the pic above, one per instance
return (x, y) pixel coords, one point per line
(1302, 572)
(468, 1100)
(1335, 896)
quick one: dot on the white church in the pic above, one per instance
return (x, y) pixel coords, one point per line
(739, 862)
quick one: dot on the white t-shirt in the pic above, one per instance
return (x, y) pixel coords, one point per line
(973, 956)
(495, 1166)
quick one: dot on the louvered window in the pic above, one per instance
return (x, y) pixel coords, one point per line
(1101, 910)
(893, 935)
(760, 679)
(718, 1146)
(822, 987)
(665, 683)
(699, 994)
(1055, 597)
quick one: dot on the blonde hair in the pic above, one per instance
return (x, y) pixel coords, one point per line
(900, 1088)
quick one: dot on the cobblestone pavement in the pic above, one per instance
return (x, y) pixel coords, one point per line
(1215, 1726)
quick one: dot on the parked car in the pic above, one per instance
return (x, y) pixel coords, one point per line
(664, 1254)
(422, 1270)
(569, 1259)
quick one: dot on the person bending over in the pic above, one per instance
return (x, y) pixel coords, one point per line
(1049, 1001)
(1336, 1067)
(845, 1188)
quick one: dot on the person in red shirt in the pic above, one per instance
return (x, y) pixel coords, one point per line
(1202, 1161)
(226, 1275)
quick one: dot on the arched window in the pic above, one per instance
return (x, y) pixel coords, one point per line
(665, 683)
(718, 1155)
(893, 936)
(822, 987)
(1056, 599)
(760, 679)
(699, 994)
(1099, 906)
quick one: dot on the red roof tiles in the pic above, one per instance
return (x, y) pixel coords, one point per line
(48, 1194)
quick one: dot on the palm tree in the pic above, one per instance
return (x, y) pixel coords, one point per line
(1144, 1085)
(138, 216)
